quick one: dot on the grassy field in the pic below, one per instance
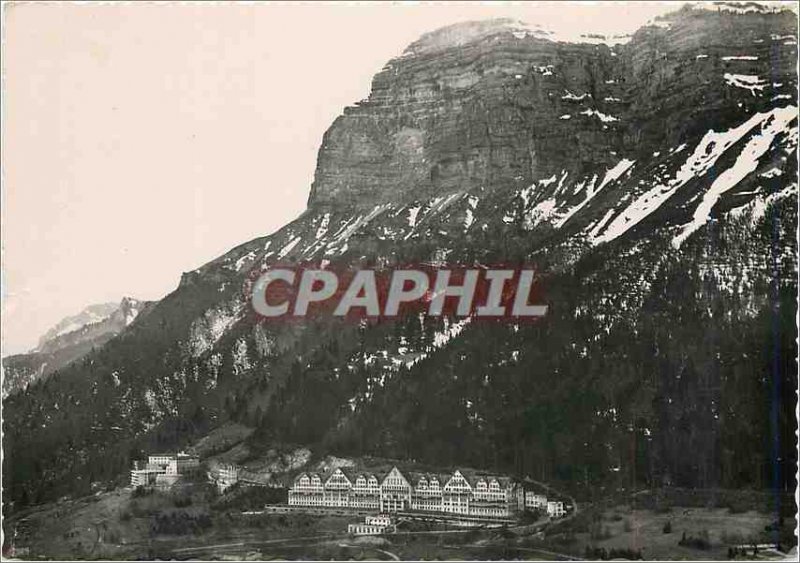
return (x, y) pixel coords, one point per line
(645, 530)
(120, 524)
(677, 534)
(91, 527)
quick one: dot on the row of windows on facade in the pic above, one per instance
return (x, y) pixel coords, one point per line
(460, 505)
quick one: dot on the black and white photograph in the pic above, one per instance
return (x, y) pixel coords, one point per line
(399, 281)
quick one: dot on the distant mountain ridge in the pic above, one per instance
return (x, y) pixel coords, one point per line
(69, 340)
(89, 315)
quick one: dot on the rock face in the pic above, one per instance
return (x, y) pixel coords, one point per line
(654, 184)
(71, 339)
(467, 106)
(496, 103)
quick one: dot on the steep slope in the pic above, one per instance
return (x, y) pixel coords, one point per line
(70, 339)
(654, 185)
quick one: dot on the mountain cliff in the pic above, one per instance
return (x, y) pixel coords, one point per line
(652, 183)
(498, 103)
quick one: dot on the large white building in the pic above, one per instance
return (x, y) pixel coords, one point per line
(461, 492)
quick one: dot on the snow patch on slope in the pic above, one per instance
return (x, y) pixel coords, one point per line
(212, 325)
(600, 115)
(289, 246)
(745, 81)
(758, 207)
(746, 163)
(712, 146)
(612, 174)
(247, 257)
(470, 216)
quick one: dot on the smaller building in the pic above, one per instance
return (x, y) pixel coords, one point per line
(555, 509)
(163, 470)
(379, 520)
(159, 461)
(373, 525)
(183, 464)
(535, 501)
(143, 477)
(227, 476)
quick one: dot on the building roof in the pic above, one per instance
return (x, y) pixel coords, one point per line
(473, 476)
(175, 455)
(350, 472)
(413, 477)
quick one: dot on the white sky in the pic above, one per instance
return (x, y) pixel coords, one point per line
(143, 140)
